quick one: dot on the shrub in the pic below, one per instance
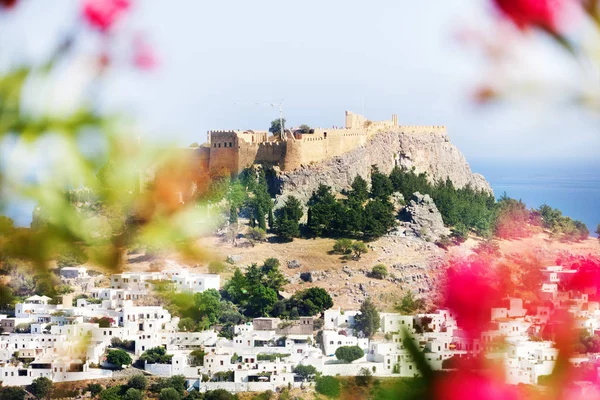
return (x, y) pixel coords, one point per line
(216, 267)
(133, 394)
(156, 355)
(305, 371)
(444, 242)
(112, 393)
(41, 387)
(139, 382)
(94, 389)
(364, 377)
(379, 271)
(169, 394)
(342, 246)
(349, 353)
(328, 386)
(118, 357)
(12, 393)
(358, 249)
(219, 394)
(255, 235)
(306, 277)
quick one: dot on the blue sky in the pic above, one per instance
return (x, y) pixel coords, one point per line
(322, 57)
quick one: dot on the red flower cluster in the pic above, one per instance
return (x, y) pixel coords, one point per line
(470, 294)
(102, 14)
(527, 13)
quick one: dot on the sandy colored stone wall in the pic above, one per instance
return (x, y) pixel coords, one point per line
(235, 150)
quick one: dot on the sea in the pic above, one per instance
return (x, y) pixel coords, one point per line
(570, 186)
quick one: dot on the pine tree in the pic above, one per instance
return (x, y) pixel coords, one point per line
(368, 320)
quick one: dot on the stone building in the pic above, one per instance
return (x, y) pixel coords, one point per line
(234, 150)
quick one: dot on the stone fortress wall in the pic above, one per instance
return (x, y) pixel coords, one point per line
(233, 150)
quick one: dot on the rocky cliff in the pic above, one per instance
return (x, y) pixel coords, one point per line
(429, 152)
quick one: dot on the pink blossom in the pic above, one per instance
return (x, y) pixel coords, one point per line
(102, 14)
(144, 57)
(538, 13)
(470, 294)
(470, 385)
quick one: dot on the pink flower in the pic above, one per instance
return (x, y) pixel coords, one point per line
(102, 14)
(470, 294)
(537, 13)
(144, 57)
(470, 385)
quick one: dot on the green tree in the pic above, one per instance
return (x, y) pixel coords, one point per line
(381, 185)
(368, 320)
(460, 232)
(598, 231)
(235, 288)
(358, 249)
(187, 325)
(311, 301)
(409, 305)
(360, 190)
(138, 381)
(41, 388)
(169, 394)
(306, 372)
(379, 271)
(342, 246)
(276, 127)
(133, 394)
(261, 301)
(156, 355)
(272, 276)
(305, 129)
(328, 386)
(208, 305)
(118, 357)
(379, 218)
(349, 353)
(287, 219)
(322, 206)
(111, 393)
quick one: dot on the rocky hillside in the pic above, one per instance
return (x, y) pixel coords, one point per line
(426, 152)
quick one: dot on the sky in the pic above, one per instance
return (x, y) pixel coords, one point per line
(218, 58)
(322, 58)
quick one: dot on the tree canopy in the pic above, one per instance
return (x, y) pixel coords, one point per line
(368, 320)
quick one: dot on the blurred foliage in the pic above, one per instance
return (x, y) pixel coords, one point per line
(103, 192)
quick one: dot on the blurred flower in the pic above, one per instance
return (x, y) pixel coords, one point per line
(471, 295)
(144, 57)
(102, 14)
(8, 3)
(469, 385)
(485, 94)
(537, 13)
(103, 61)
